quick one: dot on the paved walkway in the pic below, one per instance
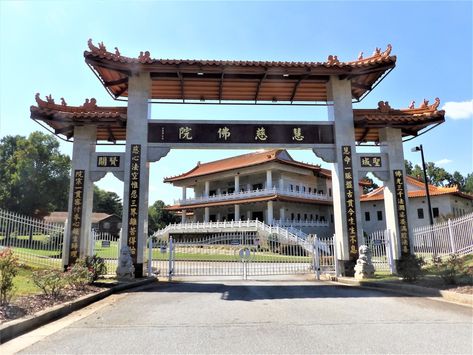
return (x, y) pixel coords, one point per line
(262, 317)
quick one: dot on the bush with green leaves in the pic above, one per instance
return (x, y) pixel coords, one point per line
(8, 269)
(449, 270)
(409, 267)
(96, 266)
(78, 275)
(50, 282)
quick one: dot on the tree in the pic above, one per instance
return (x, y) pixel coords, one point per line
(408, 166)
(34, 175)
(468, 186)
(158, 217)
(107, 202)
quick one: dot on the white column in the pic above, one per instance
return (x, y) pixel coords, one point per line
(269, 179)
(282, 214)
(206, 214)
(248, 187)
(184, 193)
(391, 143)
(82, 150)
(184, 216)
(237, 212)
(341, 112)
(207, 189)
(281, 183)
(137, 134)
(237, 183)
(270, 213)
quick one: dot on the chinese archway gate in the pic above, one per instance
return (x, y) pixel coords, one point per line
(144, 81)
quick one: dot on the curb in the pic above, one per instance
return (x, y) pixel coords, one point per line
(18, 327)
(412, 290)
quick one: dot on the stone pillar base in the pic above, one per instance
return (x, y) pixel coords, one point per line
(349, 268)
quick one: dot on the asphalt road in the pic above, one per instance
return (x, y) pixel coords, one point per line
(264, 317)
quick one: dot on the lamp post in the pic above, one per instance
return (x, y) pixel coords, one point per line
(416, 149)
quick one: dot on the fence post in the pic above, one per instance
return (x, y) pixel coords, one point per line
(150, 255)
(450, 234)
(171, 249)
(389, 253)
(335, 257)
(316, 258)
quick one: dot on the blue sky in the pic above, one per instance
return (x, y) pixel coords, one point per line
(42, 44)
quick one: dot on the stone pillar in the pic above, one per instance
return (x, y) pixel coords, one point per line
(391, 144)
(237, 183)
(184, 193)
(207, 189)
(206, 214)
(237, 212)
(341, 112)
(248, 187)
(270, 213)
(79, 216)
(183, 216)
(281, 183)
(269, 179)
(282, 214)
(135, 196)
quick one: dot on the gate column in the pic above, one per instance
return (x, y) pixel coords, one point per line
(346, 202)
(81, 193)
(391, 144)
(135, 195)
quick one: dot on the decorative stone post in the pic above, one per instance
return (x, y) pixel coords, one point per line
(237, 184)
(81, 193)
(206, 214)
(346, 202)
(135, 196)
(237, 212)
(270, 213)
(269, 179)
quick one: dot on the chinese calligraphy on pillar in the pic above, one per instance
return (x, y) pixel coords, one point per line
(401, 212)
(350, 210)
(76, 222)
(134, 198)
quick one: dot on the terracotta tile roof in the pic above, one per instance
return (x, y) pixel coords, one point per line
(275, 197)
(110, 121)
(189, 79)
(242, 161)
(378, 194)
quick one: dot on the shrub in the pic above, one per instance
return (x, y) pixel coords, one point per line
(50, 282)
(78, 275)
(410, 267)
(449, 270)
(96, 266)
(8, 269)
(467, 271)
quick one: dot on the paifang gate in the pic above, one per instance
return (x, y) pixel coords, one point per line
(144, 81)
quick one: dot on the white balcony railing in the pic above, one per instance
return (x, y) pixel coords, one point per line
(252, 193)
(300, 223)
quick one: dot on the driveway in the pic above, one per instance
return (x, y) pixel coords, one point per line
(264, 317)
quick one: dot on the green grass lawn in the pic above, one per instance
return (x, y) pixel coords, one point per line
(266, 257)
(23, 283)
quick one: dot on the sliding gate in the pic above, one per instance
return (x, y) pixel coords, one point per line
(241, 254)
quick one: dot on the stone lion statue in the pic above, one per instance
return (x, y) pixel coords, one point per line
(125, 269)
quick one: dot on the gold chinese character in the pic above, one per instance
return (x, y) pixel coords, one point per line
(346, 150)
(353, 250)
(135, 167)
(405, 250)
(261, 134)
(113, 161)
(132, 240)
(365, 161)
(135, 149)
(350, 202)
(349, 193)
(297, 135)
(353, 238)
(347, 160)
(349, 185)
(133, 194)
(376, 161)
(134, 184)
(134, 175)
(398, 173)
(224, 133)
(133, 212)
(79, 181)
(132, 231)
(74, 253)
(77, 202)
(185, 133)
(79, 174)
(132, 221)
(102, 161)
(348, 176)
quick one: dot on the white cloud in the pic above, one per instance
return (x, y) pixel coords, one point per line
(443, 161)
(458, 110)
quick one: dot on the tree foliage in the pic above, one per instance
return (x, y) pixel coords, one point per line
(34, 175)
(107, 202)
(438, 176)
(158, 217)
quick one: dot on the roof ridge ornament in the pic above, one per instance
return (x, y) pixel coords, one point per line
(384, 106)
(332, 60)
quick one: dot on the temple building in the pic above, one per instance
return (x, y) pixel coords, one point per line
(272, 187)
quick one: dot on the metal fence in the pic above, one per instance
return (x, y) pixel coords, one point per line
(240, 254)
(106, 246)
(35, 242)
(454, 236)
(379, 243)
(325, 256)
